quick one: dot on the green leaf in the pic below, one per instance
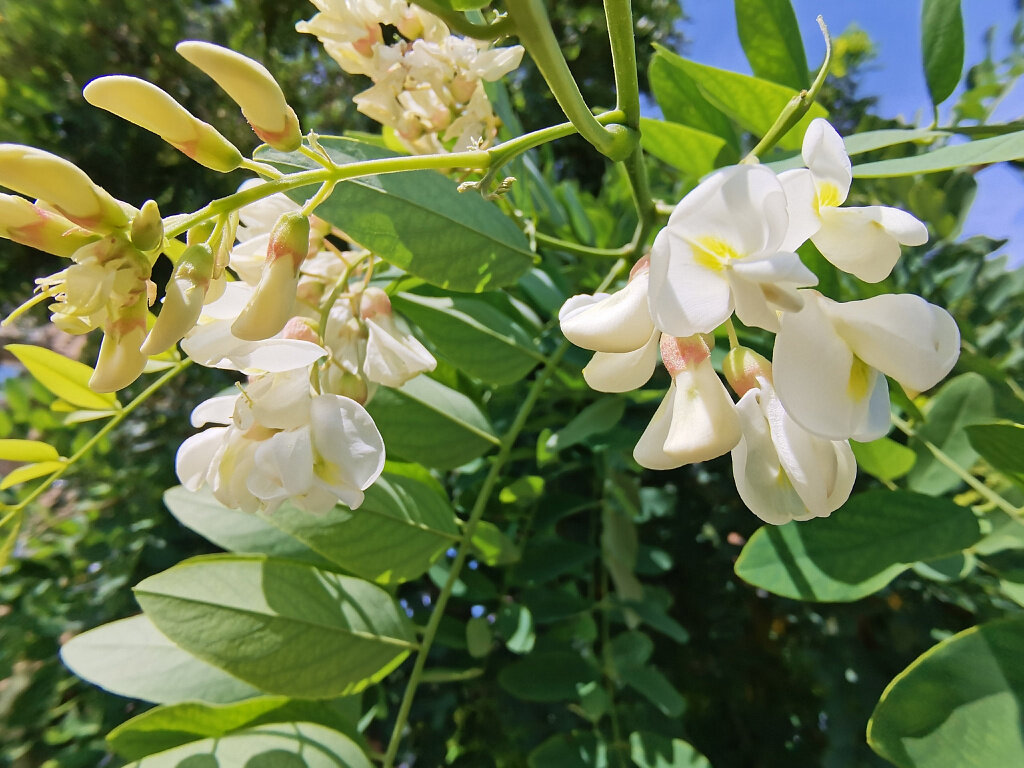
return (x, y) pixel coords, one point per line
(942, 43)
(753, 103)
(546, 676)
(29, 472)
(593, 420)
(771, 40)
(418, 221)
(472, 335)
(651, 750)
(235, 530)
(884, 458)
(492, 546)
(27, 450)
(275, 745)
(694, 152)
(869, 541)
(285, 627)
(478, 637)
(681, 101)
(655, 687)
(401, 527)
(997, 149)
(130, 657)
(65, 378)
(966, 399)
(958, 704)
(515, 623)
(166, 727)
(10, 527)
(426, 422)
(1000, 444)
(569, 750)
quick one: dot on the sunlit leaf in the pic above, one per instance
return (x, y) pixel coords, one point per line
(65, 378)
(771, 40)
(942, 43)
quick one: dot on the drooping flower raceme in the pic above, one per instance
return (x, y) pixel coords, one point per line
(722, 250)
(831, 360)
(862, 241)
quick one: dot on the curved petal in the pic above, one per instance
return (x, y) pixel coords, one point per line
(761, 287)
(802, 205)
(620, 322)
(195, 457)
(650, 448)
(902, 335)
(815, 373)
(216, 410)
(825, 155)
(623, 371)
(878, 417)
(393, 356)
(857, 241)
(348, 441)
(685, 297)
(284, 466)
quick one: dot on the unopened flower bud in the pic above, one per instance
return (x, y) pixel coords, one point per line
(346, 384)
(63, 185)
(183, 302)
(146, 105)
(120, 360)
(374, 302)
(273, 301)
(252, 87)
(301, 329)
(679, 354)
(742, 368)
(200, 233)
(148, 227)
(39, 228)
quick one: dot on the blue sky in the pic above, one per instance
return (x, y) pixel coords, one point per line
(896, 78)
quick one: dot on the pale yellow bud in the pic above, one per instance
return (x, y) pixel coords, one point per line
(183, 301)
(742, 367)
(149, 107)
(38, 228)
(63, 185)
(120, 360)
(148, 227)
(252, 87)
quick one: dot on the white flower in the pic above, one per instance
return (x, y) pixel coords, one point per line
(697, 420)
(862, 241)
(722, 250)
(831, 360)
(782, 471)
(618, 329)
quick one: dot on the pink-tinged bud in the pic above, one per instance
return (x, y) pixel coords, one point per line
(679, 354)
(374, 302)
(120, 360)
(300, 328)
(39, 228)
(252, 87)
(146, 105)
(273, 300)
(183, 301)
(743, 367)
(38, 174)
(351, 385)
(148, 227)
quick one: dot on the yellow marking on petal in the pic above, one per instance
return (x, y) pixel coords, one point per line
(713, 253)
(860, 379)
(828, 195)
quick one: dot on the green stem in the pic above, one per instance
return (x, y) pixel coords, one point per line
(797, 106)
(957, 470)
(584, 250)
(457, 21)
(475, 515)
(536, 35)
(116, 419)
(639, 185)
(619, 16)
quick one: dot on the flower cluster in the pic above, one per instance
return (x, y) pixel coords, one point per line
(730, 247)
(428, 86)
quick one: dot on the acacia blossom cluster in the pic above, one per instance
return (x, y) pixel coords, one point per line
(730, 247)
(428, 86)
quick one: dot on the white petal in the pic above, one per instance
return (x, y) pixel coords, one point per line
(902, 335)
(825, 155)
(761, 287)
(195, 455)
(236, 295)
(348, 441)
(620, 322)
(802, 205)
(650, 449)
(856, 240)
(392, 356)
(273, 356)
(685, 297)
(878, 418)
(623, 371)
(284, 466)
(814, 374)
(216, 410)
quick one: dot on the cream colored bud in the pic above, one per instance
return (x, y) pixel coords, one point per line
(251, 86)
(63, 185)
(148, 227)
(183, 301)
(200, 233)
(742, 368)
(39, 228)
(289, 239)
(120, 360)
(146, 105)
(300, 328)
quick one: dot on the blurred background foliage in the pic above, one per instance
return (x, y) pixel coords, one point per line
(748, 678)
